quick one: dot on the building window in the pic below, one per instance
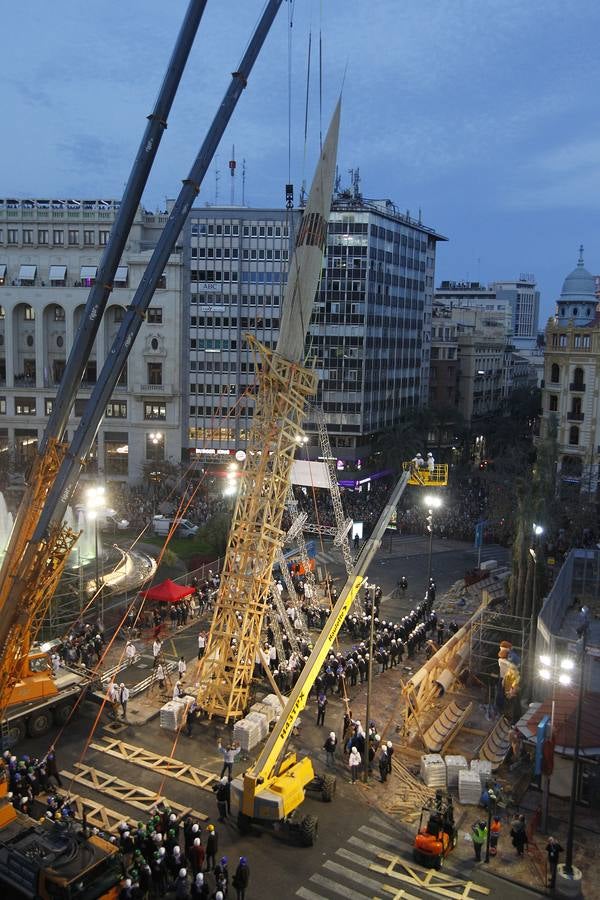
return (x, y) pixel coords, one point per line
(59, 314)
(58, 236)
(555, 373)
(88, 238)
(29, 313)
(24, 406)
(28, 236)
(103, 238)
(73, 237)
(116, 410)
(155, 373)
(2, 406)
(12, 236)
(79, 407)
(162, 283)
(562, 340)
(553, 403)
(574, 435)
(154, 316)
(48, 404)
(155, 411)
(116, 453)
(42, 235)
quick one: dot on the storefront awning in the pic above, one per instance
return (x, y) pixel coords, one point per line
(121, 274)
(27, 273)
(88, 271)
(58, 273)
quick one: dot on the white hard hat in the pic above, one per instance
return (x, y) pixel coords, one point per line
(196, 842)
(332, 734)
(182, 873)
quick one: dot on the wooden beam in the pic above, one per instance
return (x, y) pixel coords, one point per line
(162, 765)
(433, 881)
(134, 795)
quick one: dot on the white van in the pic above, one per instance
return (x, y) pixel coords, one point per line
(162, 525)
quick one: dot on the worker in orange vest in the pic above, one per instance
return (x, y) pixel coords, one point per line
(495, 830)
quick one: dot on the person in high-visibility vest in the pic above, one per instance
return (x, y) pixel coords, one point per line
(495, 830)
(479, 835)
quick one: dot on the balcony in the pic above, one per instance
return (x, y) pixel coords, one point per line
(575, 417)
(160, 389)
(577, 386)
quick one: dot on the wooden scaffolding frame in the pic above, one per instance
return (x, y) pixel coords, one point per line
(256, 535)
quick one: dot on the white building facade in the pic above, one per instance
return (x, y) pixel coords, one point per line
(49, 254)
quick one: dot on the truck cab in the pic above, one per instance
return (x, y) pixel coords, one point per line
(161, 525)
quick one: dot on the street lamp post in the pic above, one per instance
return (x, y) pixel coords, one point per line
(431, 502)
(568, 876)
(537, 531)
(582, 631)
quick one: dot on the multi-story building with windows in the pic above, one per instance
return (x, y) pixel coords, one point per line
(524, 301)
(572, 380)
(49, 254)
(370, 333)
(517, 301)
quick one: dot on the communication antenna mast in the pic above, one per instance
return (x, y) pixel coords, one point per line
(243, 182)
(232, 165)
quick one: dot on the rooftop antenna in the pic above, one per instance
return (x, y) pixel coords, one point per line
(243, 182)
(338, 181)
(356, 183)
(232, 165)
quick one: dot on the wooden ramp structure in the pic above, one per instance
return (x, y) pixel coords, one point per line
(125, 792)
(157, 762)
(446, 727)
(497, 743)
(434, 882)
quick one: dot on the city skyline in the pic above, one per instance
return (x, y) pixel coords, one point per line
(475, 114)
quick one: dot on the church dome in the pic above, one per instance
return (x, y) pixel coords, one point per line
(579, 285)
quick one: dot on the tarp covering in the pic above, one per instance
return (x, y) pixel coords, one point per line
(168, 592)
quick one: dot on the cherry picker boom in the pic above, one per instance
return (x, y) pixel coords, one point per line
(270, 792)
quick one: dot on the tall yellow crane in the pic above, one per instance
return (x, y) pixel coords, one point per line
(256, 536)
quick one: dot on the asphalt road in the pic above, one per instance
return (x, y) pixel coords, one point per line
(352, 833)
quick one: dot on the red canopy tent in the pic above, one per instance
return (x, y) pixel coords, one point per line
(168, 592)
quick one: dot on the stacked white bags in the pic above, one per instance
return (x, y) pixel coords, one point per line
(454, 765)
(172, 714)
(274, 701)
(484, 769)
(433, 770)
(266, 710)
(262, 723)
(469, 787)
(246, 733)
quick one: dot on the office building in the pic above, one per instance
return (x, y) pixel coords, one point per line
(370, 334)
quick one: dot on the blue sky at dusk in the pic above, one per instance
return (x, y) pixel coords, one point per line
(481, 113)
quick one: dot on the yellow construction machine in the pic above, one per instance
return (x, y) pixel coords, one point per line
(270, 793)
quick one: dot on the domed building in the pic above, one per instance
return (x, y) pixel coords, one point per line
(572, 379)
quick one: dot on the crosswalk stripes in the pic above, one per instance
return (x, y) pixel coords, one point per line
(347, 873)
